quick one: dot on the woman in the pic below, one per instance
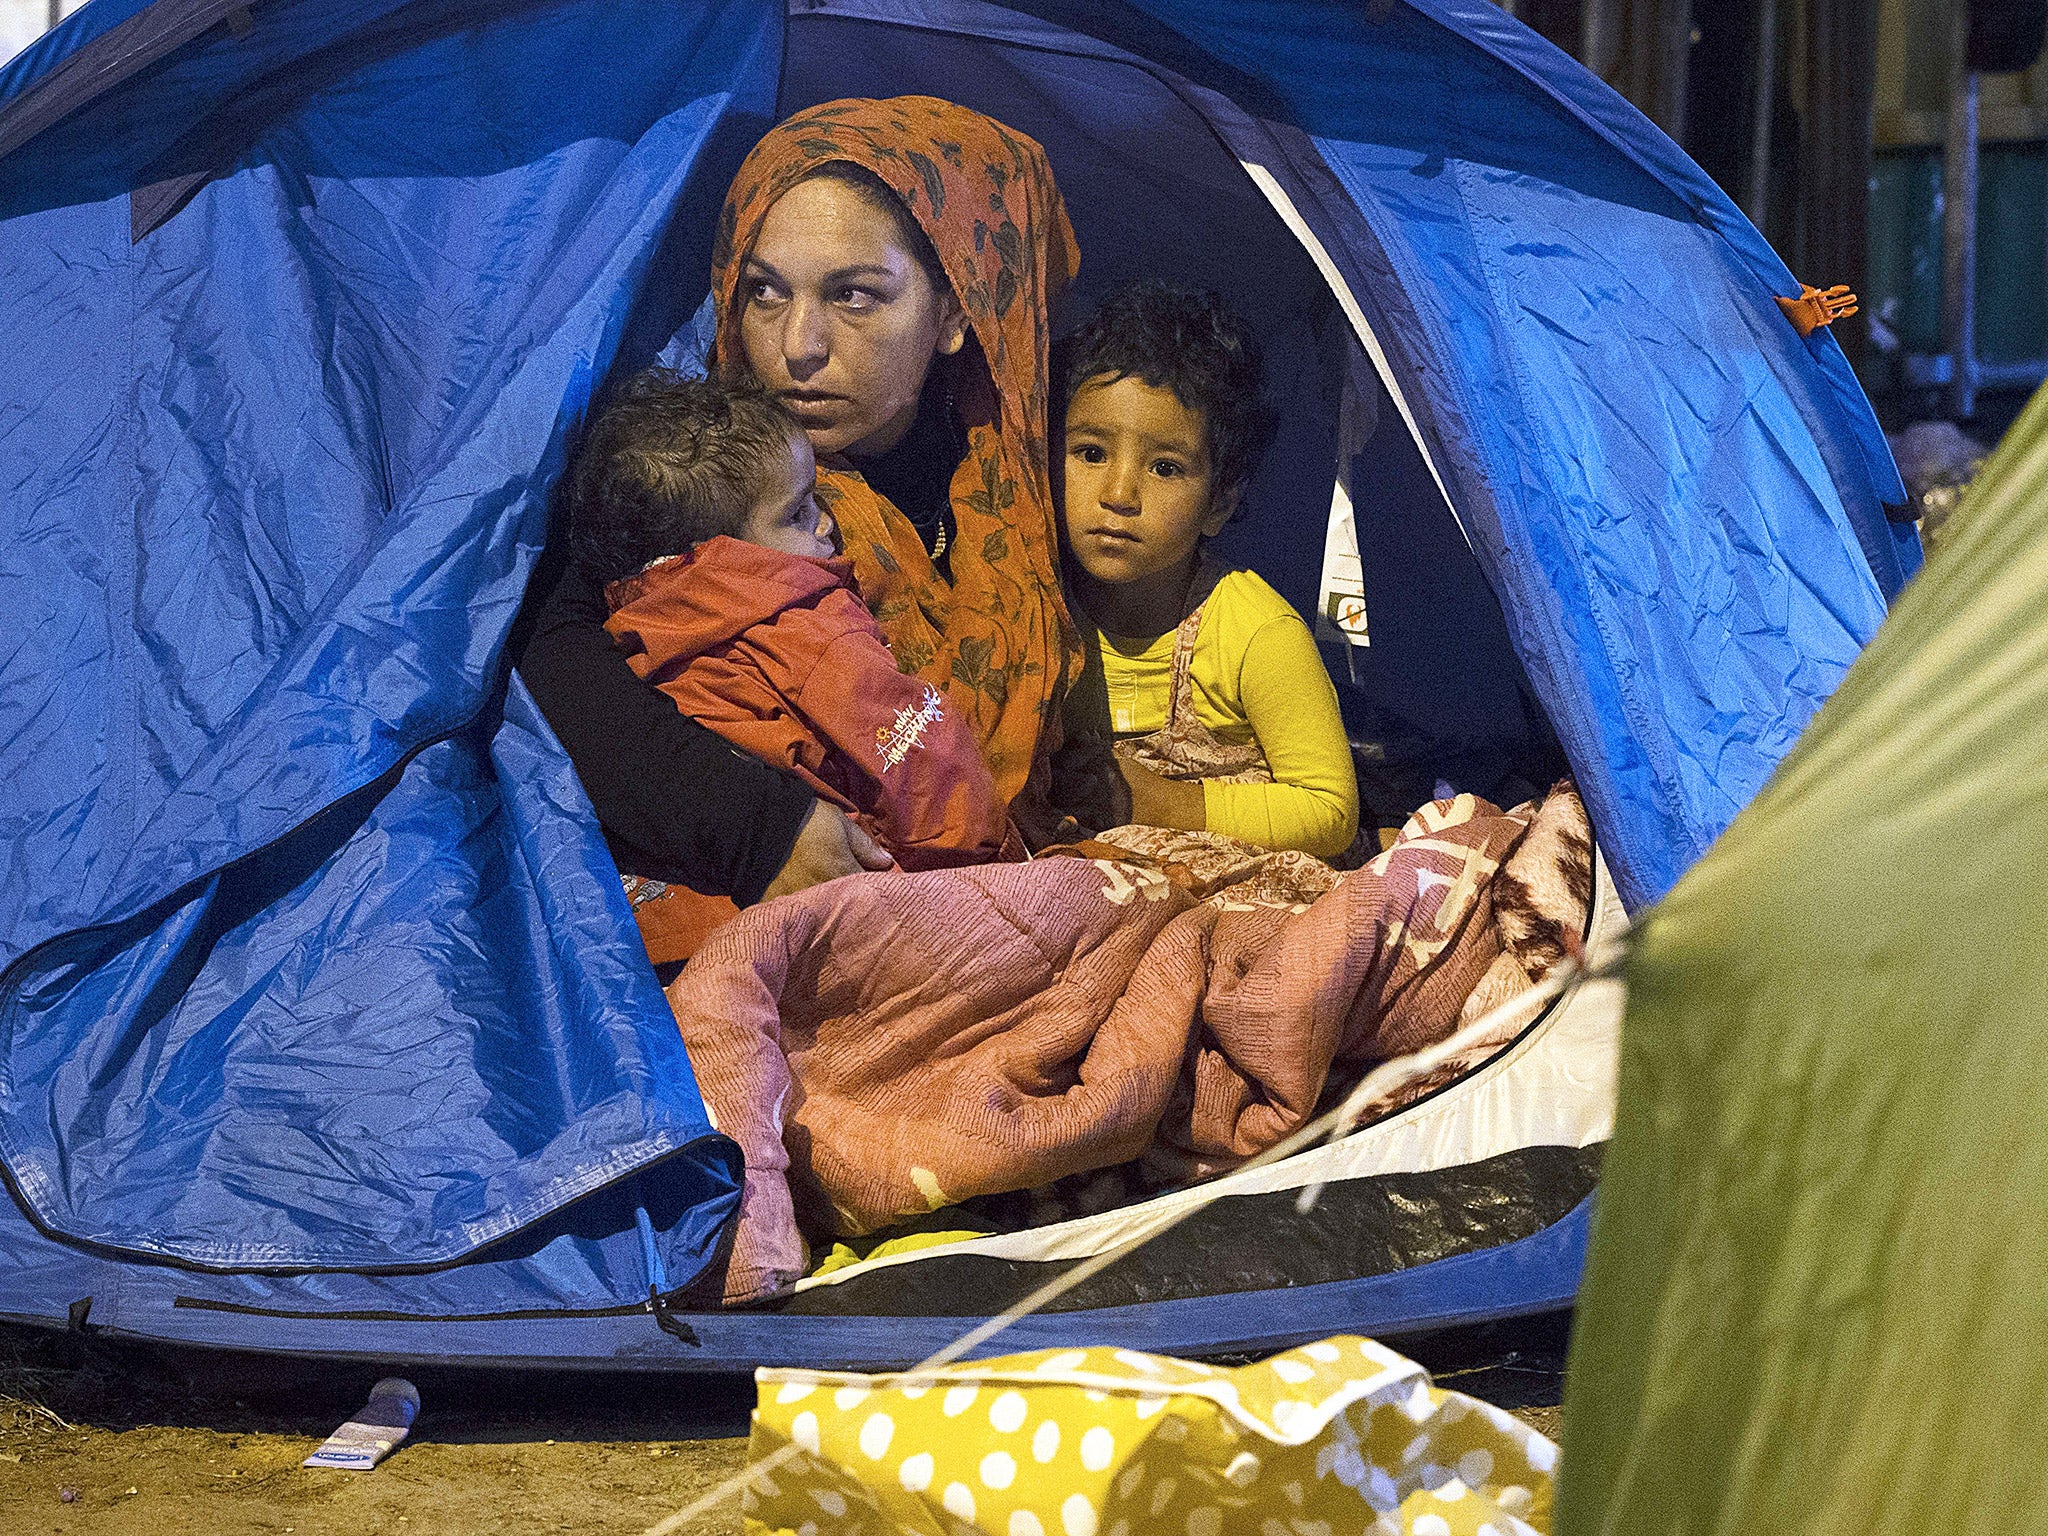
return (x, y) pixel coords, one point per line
(887, 269)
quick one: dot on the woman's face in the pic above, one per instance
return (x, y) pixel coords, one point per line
(839, 320)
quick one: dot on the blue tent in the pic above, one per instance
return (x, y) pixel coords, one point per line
(322, 1023)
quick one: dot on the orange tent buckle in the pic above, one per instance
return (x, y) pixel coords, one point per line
(1816, 307)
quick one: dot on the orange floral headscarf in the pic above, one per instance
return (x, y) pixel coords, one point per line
(997, 640)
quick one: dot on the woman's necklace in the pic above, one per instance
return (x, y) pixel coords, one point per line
(956, 450)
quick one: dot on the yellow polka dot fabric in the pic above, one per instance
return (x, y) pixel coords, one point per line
(1331, 1439)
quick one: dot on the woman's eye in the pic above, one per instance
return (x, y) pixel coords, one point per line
(761, 291)
(857, 298)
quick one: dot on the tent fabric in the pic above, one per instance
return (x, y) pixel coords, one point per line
(545, 1318)
(315, 959)
(1678, 500)
(42, 58)
(315, 980)
(1600, 367)
(1813, 1296)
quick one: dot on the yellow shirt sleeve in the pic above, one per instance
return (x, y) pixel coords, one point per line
(1287, 697)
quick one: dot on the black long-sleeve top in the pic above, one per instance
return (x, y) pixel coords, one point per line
(674, 798)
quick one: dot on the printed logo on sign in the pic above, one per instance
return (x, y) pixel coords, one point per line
(893, 742)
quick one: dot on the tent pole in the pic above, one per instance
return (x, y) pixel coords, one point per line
(1833, 239)
(1959, 226)
(1758, 201)
(1674, 67)
(1600, 37)
(1658, 56)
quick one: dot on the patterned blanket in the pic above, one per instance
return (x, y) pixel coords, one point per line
(884, 1045)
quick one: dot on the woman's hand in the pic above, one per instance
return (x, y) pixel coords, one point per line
(1157, 801)
(830, 845)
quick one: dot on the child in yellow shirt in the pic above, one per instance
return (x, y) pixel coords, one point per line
(1223, 717)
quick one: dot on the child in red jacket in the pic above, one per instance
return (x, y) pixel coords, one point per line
(696, 503)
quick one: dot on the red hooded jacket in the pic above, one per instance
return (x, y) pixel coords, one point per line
(778, 654)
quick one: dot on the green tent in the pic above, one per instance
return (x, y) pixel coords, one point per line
(1817, 1298)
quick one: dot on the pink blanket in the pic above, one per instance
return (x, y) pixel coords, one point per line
(884, 1045)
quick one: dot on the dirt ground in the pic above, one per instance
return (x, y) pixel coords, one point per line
(182, 1443)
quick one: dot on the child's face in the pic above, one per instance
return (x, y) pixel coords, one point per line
(787, 515)
(1140, 491)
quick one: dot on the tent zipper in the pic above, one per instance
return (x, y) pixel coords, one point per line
(657, 1282)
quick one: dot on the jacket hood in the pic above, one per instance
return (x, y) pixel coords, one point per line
(703, 599)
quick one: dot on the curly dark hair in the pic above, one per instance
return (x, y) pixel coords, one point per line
(1191, 344)
(666, 463)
